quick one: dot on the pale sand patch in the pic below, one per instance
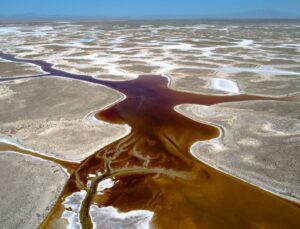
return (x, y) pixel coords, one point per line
(72, 140)
(11, 69)
(53, 116)
(28, 189)
(5, 92)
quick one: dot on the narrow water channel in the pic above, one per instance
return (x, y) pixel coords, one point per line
(152, 169)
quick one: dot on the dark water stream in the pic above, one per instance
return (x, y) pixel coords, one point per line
(152, 167)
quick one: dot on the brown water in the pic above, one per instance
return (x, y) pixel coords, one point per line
(153, 169)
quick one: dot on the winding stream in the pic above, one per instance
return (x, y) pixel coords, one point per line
(152, 171)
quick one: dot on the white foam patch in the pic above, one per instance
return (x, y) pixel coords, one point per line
(290, 45)
(223, 29)
(6, 30)
(244, 43)
(146, 26)
(83, 40)
(10, 141)
(72, 206)
(109, 217)
(207, 51)
(104, 184)
(180, 46)
(118, 40)
(107, 63)
(224, 85)
(260, 70)
(163, 67)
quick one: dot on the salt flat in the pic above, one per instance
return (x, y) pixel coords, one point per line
(55, 116)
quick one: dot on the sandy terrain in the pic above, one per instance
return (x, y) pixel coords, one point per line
(11, 69)
(260, 143)
(55, 116)
(28, 189)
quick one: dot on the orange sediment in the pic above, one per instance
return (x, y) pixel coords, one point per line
(153, 169)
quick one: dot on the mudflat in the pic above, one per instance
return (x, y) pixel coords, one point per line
(213, 128)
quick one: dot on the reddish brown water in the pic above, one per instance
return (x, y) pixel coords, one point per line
(152, 168)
